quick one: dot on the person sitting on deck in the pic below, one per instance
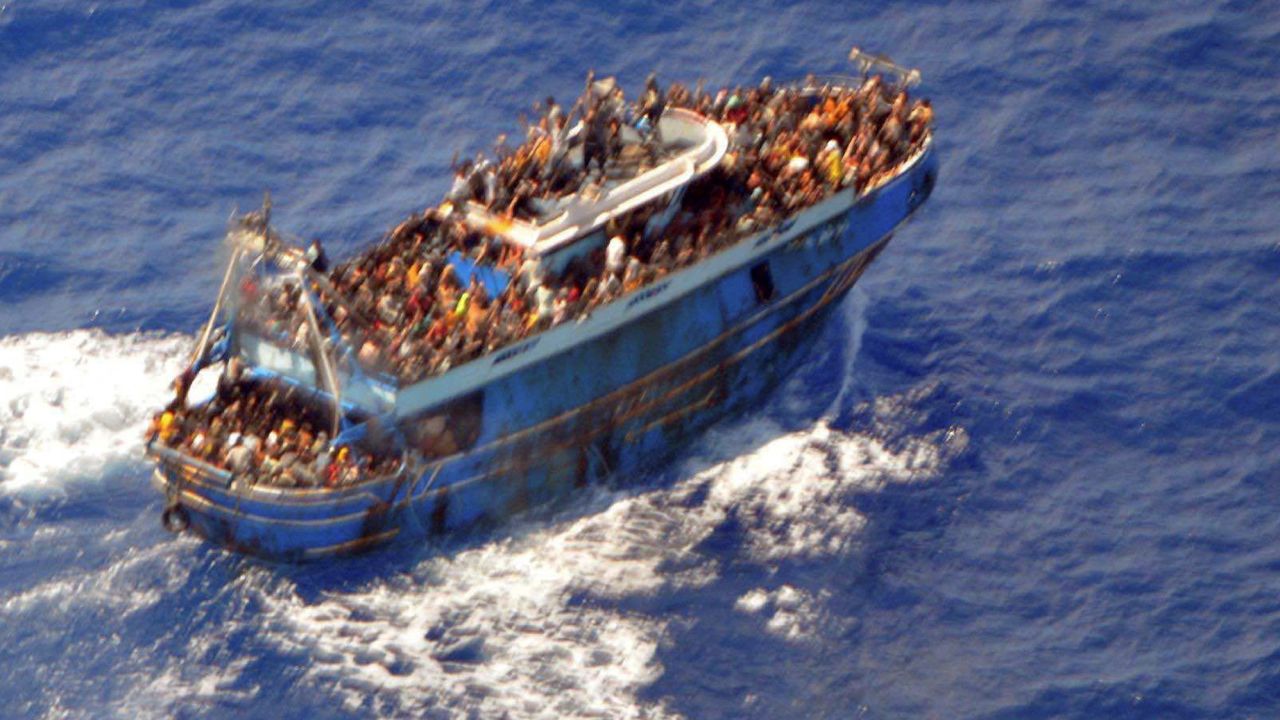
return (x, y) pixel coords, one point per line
(239, 457)
(920, 118)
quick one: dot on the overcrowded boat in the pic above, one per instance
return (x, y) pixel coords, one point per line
(576, 307)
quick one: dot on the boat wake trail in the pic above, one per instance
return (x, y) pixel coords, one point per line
(534, 625)
(553, 622)
(74, 405)
(566, 615)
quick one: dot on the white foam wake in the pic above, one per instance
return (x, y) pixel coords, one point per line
(793, 614)
(530, 626)
(541, 623)
(75, 404)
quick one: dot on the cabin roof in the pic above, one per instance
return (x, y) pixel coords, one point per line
(694, 143)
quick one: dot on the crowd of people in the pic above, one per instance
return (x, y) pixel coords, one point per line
(265, 433)
(525, 181)
(406, 312)
(405, 309)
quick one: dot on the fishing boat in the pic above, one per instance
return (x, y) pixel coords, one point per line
(550, 325)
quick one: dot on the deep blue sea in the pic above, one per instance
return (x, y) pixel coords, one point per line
(1032, 470)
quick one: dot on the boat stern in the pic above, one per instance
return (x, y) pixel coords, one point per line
(271, 524)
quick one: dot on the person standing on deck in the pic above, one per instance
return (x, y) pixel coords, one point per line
(595, 135)
(615, 255)
(554, 113)
(317, 258)
(653, 104)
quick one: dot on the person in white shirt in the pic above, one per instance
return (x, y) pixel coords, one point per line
(615, 255)
(239, 457)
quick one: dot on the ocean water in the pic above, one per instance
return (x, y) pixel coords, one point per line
(1031, 471)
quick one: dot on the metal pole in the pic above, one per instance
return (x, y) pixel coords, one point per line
(202, 345)
(324, 367)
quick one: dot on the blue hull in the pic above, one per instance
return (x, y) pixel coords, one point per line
(706, 342)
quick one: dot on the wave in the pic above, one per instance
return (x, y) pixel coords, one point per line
(74, 405)
(545, 624)
(550, 622)
(547, 620)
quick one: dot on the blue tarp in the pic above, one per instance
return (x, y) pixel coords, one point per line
(494, 281)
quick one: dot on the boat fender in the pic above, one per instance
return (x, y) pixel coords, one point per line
(175, 518)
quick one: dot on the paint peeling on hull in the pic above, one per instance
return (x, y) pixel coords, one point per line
(560, 418)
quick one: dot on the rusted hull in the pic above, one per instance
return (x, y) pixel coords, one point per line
(618, 404)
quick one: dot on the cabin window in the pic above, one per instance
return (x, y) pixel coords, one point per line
(762, 281)
(451, 428)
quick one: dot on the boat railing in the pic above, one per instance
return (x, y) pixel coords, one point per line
(820, 82)
(867, 65)
(645, 187)
(584, 213)
(191, 469)
(184, 462)
(869, 62)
